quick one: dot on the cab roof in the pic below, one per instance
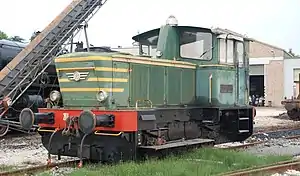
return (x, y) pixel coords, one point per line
(154, 32)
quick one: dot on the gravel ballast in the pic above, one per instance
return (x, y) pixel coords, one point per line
(24, 151)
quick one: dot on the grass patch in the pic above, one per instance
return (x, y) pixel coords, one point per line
(5, 168)
(206, 161)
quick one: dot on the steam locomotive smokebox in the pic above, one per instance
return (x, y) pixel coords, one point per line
(30, 101)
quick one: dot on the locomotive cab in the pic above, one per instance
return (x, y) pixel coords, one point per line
(220, 56)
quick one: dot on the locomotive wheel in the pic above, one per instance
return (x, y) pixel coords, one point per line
(3, 130)
(113, 156)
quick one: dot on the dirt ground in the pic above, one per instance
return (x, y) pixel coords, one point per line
(267, 117)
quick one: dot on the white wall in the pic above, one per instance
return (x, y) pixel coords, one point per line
(263, 60)
(289, 66)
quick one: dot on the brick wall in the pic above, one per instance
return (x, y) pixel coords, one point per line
(274, 78)
(258, 49)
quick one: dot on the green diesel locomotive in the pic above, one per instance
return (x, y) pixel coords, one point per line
(192, 90)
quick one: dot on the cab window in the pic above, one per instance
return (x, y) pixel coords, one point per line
(227, 54)
(148, 46)
(240, 53)
(148, 43)
(196, 45)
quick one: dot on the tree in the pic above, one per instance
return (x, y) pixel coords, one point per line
(16, 38)
(3, 35)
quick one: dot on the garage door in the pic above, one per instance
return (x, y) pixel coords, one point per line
(256, 70)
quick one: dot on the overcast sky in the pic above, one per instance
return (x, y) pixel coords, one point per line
(273, 21)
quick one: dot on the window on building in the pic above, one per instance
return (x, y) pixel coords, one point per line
(196, 45)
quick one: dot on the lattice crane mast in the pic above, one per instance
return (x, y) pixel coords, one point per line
(32, 61)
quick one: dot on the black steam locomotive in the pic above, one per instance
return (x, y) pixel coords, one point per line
(34, 97)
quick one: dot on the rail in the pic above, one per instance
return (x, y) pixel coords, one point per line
(267, 169)
(254, 143)
(40, 168)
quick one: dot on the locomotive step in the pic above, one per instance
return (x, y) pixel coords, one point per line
(243, 131)
(160, 129)
(190, 142)
(244, 118)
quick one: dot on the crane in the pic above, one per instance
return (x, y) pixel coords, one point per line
(22, 71)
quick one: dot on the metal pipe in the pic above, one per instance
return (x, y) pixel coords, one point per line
(226, 38)
(86, 38)
(237, 75)
(210, 88)
(72, 42)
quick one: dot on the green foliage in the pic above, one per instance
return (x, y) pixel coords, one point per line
(3, 35)
(5, 168)
(16, 38)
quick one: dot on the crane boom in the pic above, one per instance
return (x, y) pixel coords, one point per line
(32, 61)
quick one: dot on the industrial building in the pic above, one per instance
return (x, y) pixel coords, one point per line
(274, 73)
(268, 73)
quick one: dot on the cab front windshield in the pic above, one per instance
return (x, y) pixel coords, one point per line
(193, 43)
(148, 45)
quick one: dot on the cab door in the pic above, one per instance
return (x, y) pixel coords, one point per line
(242, 83)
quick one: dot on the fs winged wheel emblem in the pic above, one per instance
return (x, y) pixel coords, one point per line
(77, 76)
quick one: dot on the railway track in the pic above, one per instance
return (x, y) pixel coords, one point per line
(257, 142)
(74, 163)
(279, 167)
(296, 125)
(40, 168)
(250, 144)
(280, 132)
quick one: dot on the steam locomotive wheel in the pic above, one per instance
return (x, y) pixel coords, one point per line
(3, 130)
